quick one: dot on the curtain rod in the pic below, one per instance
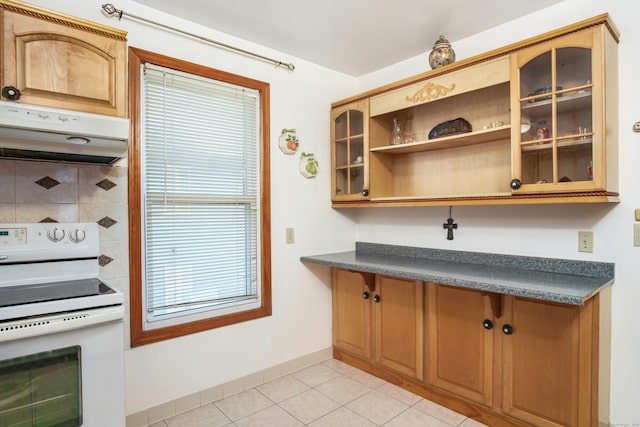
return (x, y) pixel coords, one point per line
(111, 11)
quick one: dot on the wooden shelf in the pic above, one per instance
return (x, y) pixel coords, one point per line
(582, 96)
(496, 199)
(460, 140)
(567, 142)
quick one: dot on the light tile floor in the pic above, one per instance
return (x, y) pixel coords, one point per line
(328, 394)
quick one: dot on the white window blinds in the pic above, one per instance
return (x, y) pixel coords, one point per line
(200, 195)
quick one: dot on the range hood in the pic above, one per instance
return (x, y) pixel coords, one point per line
(43, 133)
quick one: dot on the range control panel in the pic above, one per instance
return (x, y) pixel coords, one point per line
(13, 236)
(45, 241)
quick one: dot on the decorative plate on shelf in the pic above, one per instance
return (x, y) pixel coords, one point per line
(451, 127)
(288, 141)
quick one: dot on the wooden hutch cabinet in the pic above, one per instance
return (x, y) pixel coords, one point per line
(533, 122)
(61, 61)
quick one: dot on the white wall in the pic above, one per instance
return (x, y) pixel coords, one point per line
(301, 321)
(548, 231)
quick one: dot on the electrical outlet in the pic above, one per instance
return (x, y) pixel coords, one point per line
(585, 241)
(290, 238)
(636, 234)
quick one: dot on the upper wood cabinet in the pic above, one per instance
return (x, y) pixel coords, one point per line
(562, 142)
(350, 151)
(61, 61)
(465, 133)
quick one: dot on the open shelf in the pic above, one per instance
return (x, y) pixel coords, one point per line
(460, 140)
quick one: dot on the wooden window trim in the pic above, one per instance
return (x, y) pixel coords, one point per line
(138, 335)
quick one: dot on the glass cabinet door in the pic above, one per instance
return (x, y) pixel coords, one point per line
(557, 133)
(350, 152)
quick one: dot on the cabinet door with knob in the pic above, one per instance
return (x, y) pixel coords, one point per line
(352, 295)
(529, 359)
(350, 151)
(460, 335)
(549, 374)
(379, 319)
(563, 97)
(60, 61)
(399, 331)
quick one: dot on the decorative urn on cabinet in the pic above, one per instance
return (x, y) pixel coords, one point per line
(441, 54)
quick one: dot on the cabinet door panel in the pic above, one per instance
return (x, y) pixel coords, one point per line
(63, 66)
(351, 314)
(459, 347)
(399, 325)
(547, 369)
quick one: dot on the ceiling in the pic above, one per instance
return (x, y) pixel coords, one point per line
(354, 37)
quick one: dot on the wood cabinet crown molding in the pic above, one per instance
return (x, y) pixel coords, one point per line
(603, 19)
(59, 18)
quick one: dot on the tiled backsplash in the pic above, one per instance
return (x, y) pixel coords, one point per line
(32, 191)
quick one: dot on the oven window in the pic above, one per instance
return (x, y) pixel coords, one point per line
(41, 390)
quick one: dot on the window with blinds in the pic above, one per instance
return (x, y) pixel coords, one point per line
(200, 197)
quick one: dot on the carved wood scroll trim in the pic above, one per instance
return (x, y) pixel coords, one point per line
(430, 91)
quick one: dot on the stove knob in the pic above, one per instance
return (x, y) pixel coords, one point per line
(56, 234)
(77, 236)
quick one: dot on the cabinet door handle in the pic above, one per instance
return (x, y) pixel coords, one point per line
(365, 295)
(365, 192)
(515, 184)
(487, 324)
(11, 93)
(376, 298)
(507, 329)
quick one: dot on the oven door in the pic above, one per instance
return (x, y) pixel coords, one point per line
(71, 378)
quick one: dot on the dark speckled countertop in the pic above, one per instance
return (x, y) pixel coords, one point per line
(549, 279)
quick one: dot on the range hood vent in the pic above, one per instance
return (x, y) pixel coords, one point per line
(53, 134)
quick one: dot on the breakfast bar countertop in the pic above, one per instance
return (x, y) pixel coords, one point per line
(549, 279)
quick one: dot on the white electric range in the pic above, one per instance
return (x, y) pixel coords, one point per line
(61, 329)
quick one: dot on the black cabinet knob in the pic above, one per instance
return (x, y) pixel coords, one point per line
(376, 298)
(507, 329)
(487, 324)
(11, 93)
(515, 184)
(365, 192)
(365, 295)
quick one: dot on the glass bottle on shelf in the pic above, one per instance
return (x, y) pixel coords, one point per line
(397, 131)
(543, 131)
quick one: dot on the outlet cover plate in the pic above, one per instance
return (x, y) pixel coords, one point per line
(585, 241)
